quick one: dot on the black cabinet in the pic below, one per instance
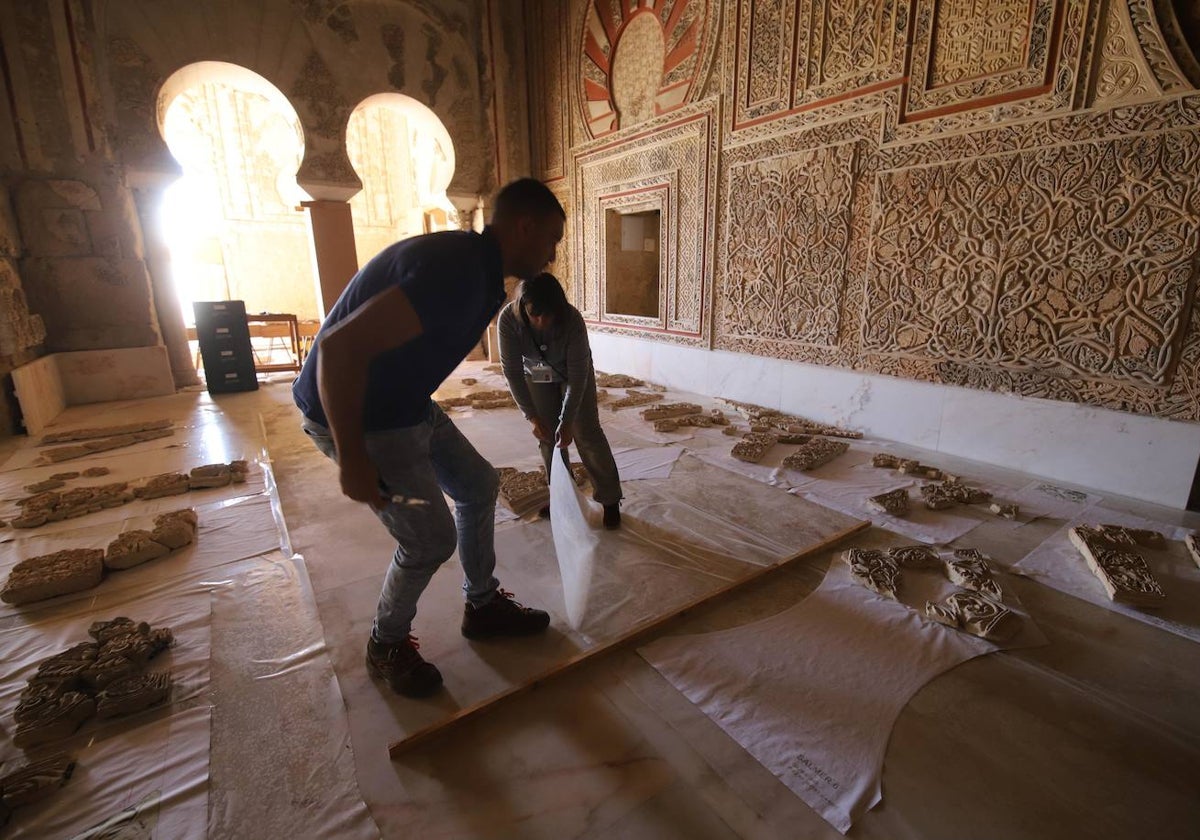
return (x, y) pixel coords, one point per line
(225, 348)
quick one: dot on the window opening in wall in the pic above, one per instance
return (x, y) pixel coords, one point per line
(232, 222)
(404, 157)
(632, 262)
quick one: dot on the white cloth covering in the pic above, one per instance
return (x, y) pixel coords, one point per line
(813, 692)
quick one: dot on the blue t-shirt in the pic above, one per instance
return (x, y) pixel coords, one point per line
(455, 282)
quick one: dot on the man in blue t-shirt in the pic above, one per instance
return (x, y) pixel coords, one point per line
(405, 321)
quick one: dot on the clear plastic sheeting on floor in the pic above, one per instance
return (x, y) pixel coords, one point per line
(227, 531)
(282, 762)
(1057, 563)
(636, 464)
(813, 692)
(148, 782)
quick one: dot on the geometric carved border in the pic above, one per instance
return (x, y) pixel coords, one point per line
(789, 56)
(549, 117)
(965, 51)
(1075, 261)
(786, 245)
(678, 151)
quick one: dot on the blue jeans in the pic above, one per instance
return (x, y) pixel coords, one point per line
(418, 463)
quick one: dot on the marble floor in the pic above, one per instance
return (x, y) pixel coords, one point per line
(1095, 734)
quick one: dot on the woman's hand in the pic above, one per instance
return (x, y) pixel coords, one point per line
(565, 436)
(540, 431)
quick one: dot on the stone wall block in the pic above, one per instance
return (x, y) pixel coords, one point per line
(92, 303)
(52, 220)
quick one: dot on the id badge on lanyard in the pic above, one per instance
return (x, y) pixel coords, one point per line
(540, 372)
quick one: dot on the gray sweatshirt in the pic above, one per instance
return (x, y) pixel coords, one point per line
(566, 352)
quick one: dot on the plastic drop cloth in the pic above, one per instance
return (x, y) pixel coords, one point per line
(1057, 563)
(147, 782)
(228, 531)
(680, 539)
(813, 692)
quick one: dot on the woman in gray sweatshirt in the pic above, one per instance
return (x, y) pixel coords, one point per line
(547, 361)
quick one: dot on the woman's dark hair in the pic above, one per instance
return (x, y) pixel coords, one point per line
(543, 295)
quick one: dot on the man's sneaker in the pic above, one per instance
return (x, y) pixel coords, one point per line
(612, 516)
(502, 616)
(403, 668)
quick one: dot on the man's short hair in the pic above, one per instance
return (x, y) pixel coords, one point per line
(526, 197)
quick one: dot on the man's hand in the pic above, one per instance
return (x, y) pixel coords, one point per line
(360, 482)
(565, 436)
(540, 431)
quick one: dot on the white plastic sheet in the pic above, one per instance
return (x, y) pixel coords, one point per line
(1057, 563)
(813, 692)
(144, 783)
(641, 463)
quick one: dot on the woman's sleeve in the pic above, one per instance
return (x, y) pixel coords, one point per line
(512, 361)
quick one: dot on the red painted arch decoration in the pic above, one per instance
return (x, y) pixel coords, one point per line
(640, 36)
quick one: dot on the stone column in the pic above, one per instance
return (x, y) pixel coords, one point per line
(331, 230)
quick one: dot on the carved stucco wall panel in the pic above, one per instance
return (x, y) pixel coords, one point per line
(1122, 74)
(675, 152)
(786, 245)
(822, 139)
(788, 56)
(1076, 261)
(550, 98)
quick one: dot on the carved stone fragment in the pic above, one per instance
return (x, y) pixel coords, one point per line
(666, 411)
(874, 570)
(209, 475)
(522, 491)
(969, 569)
(57, 720)
(1124, 574)
(817, 452)
(893, 503)
(91, 447)
(469, 380)
(36, 780)
(51, 575)
(133, 548)
(916, 556)
(1005, 511)
(634, 398)
(752, 447)
(105, 431)
(95, 472)
(166, 484)
(175, 529)
(1192, 542)
(885, 461)
(64, 476)
(617, 380)
(43, 486)
(133, 694)
(978, 615)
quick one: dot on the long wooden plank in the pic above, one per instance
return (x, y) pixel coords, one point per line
(398, 748)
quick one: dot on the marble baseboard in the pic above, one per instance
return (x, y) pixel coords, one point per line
(1133, 455)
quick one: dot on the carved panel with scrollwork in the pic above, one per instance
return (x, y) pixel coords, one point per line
(548, 75)
(791, 55)
(786, 247)
(1074, 261)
